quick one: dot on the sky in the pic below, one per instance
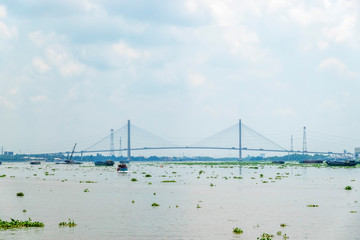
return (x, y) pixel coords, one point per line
(184, 70)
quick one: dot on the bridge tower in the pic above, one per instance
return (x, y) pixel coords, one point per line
(120, 148)
(240, 153)
(304, 141)
(111, 142)
(128, 146)
(292, 144)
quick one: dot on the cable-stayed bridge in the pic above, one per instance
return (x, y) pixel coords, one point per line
(237, 137)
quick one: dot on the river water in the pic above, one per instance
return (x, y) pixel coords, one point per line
(206, 201)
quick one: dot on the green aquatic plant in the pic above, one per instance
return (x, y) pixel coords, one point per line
(283, 225)
(265, 236)
(201, 172)
(134, 180)
(278, 233)
(71, 223)
(312, 205)
(20, 194)
(168, 181)
(198, 206)
(19, 224)
(149, 183)
(3, 175)
(147, 175)
(285, 236)
(353, 211)
(348, 188)
(211, 185)
(86, 190)
(84, 181)
(24, 210)
(237, 230)
(261, 175)
(155, 205)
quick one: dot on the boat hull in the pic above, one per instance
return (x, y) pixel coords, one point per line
(341, 164)
(104, 163)
(312, 161)
(122, 170)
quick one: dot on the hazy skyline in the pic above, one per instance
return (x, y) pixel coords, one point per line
(184, 70)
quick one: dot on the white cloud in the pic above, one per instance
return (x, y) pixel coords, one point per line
(330, 104)
(40, 38)
(124, 50)
(332, 64)
(5, 31)
(6, 103)
(13, 91)
(287, 111)
(38, 99)
(61, 58)
(3, 12)
(322, 45)
(39, 64)
(196, 80)
(344, 32)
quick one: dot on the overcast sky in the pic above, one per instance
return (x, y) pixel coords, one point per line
(184, 70)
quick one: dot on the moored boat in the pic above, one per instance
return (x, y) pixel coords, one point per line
(104, 163)
(278, 162)
(349, 163)
(35, 162)
(312, 161)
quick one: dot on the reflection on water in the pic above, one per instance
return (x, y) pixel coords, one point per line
(206, 205)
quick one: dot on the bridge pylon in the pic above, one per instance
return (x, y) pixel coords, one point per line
(240, 153)
(128, 146)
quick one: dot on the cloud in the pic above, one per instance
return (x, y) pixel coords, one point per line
(5, 31)
(124, 50)
(40, 65)
(41, 38)
(344, 32)
(196, 80)
(330, 104)
(322, 45)
(59, 57)
(3, 12)
(38, 99)
(6, 103)
(331, 64)
(287, 111)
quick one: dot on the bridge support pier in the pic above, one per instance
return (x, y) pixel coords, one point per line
(128, 145)
(240, 153)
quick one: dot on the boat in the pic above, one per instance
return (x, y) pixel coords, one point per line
(337, 163)
(122, 167)
(312, 161)
(35, 162)
(104, 163)
(278, 162)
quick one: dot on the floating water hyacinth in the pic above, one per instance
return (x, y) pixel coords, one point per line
(71, 223)
(237, 230)
(19, 224)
